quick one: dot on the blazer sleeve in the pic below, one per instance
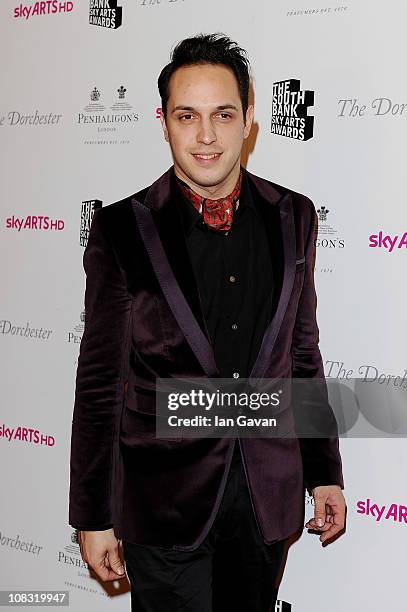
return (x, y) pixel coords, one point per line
(321, 458)
(100, 379)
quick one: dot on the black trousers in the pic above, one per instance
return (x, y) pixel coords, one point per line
(233, 570)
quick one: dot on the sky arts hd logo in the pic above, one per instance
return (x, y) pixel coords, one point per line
(105, 13)
(393, 512)
(289, 110)
(49, 7)
(388, 242)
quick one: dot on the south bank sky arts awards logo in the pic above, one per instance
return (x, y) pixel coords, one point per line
(88, 208)
(87, 211)
(105, 13)
(289, 115)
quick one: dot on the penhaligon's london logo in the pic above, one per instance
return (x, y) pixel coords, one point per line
(71, 554)
(289, 115)
(75, 335)
(324, 228)
(322, 213)
(326, 238)
(119, 112)
(105, 13)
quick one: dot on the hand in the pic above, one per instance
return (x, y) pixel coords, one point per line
(329, 513)
(100, 550)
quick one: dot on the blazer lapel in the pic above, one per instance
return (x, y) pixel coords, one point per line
(278, 216)
(161, 230)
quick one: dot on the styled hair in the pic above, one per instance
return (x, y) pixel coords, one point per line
(207, 49)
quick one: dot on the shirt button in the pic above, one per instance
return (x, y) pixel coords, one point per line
(232, 279)
(234, 326)
(235, 374)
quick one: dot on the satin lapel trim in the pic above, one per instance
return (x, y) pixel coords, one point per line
(172, 292)
(289, 249)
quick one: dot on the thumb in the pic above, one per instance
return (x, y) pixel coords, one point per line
(319, 512)
(115, 562)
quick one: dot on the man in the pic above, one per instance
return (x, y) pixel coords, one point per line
(206, 273)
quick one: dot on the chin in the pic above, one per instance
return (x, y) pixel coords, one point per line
(208, 179)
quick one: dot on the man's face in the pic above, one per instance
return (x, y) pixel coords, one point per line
(205, 126)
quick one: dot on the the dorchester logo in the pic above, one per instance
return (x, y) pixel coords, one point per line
(15, 118)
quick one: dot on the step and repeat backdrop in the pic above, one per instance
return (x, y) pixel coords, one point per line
(80, 129)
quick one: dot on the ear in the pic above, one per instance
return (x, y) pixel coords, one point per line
(249, 120)
(164, 126)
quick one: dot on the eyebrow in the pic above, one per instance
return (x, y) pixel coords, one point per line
(218, 108)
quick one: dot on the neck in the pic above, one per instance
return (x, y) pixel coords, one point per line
(220, 190)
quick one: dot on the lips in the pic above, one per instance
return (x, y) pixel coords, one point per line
(206, 156)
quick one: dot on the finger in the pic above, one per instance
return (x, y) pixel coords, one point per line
(114, 562)
(312, 525)
(103, 571)
(107, 575)
(319, 511)
(335, 527)
(330, 533)
(117, 568)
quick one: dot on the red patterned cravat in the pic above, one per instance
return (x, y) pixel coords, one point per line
(217, 214)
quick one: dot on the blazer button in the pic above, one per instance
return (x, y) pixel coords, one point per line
(232, 278)
(236, 375)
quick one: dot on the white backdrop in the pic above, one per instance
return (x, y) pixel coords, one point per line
(55, 155)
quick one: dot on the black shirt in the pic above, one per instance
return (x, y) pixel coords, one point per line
(234, 277)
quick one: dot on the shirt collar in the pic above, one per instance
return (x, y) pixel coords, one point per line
(191, 216)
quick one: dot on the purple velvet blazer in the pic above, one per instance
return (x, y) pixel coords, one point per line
(144, 320)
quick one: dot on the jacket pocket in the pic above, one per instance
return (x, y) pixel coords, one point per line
(140, 419)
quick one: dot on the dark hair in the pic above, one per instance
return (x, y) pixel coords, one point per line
(207, 49)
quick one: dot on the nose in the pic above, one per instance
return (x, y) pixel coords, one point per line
(206, 133)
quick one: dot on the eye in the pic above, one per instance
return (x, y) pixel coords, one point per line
(185, 117)
(225, 115)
